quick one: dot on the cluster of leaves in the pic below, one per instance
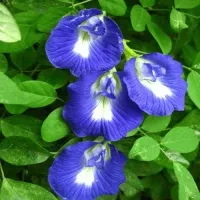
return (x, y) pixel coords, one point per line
(164, 160)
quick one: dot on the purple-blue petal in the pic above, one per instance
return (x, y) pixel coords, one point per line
(104, 46)
(65, 168)
(78, 111)
(151, 102)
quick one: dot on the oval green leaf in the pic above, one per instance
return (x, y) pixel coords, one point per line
(17, 190)
(22, 151)
(145, 148)
(39, 93)
(187, 187)
(29, 35)
(139, 18)
(51, 17)
(147, 3)
(55, 77)
(114, 7)
(10, 93)
(187, 4)
(132, 185)
(54, 127)
(24, 59)
(193, 81)
(177, 20)
(156, 124)
(22, 125)
(161, 37)
(3, 63)
(9, 31)
(18, 109)
(181, 139)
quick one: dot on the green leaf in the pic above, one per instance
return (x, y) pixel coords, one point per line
(9, 92)
(191, 120)
(17, 190)
(40, 93)
(193, 81)
(181, 139)
(145, 148)
(9, 31)
(114, 7)
(54, 127)
(196, 38)
(142, 168)
(36, 5)
(55, 77)
(24, 59)
(157, 185)
(3, 63)
(18, 109)
(139, 18)
(187, 4)
(107, 197)
(22, 151)
(147, 3)
(50, 18)
(177, 20)
(156, 124)
(132, 185)
(22, 125)
(15, 109)
(196, 60)
(187, 187)
(29, 35)
(18, 78)
(161, 37)
(176, 157)
(133, 132)
(189, 55)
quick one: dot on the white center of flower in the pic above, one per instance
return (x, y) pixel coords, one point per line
(82, 45)
(86, 176)
(103, 110)
(158, 89)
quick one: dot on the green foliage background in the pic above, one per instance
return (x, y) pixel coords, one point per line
(164, 159)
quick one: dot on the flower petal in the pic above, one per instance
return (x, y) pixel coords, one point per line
(70, 47)
(70, 180)
(109, 117)
(161, 96)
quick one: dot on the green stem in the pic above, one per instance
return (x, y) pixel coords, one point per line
(2, 172)
(60, 99)
(33, 72)
(141, 52)
(83, 2)
(187, 68)
(128, 52)
(159, 9)
(189, 15)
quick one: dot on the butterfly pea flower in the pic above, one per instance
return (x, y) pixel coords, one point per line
(154, 82)
(88, 41)
(99, 106)
(86, 170)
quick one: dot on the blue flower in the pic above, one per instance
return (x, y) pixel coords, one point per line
(154, 82)
(99, 105)
(88, 41)
(87, 170)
